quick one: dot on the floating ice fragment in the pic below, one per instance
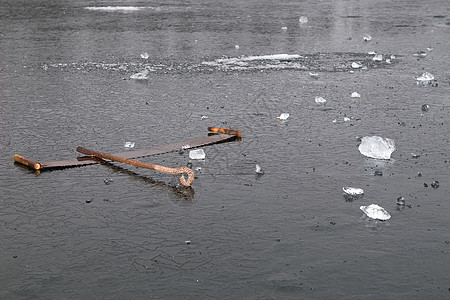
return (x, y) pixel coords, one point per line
(429, 48)
(334, 121)
(303, 19)
(320, 100)
(378, 57)
(203, 117)
(356, 65)
(367, 38)
(187, 146)
(187, 242)
(283, 116)
(284, 28)
(237, 47)
(314, 74)
(258, 170)
(355, 95)
(420, 54)
(371, 53)
(129, 145)
(401, 201)
(140, 76)
(197, 154)
(376, 147)
(352, 191)
(425, 77)
(374, 211)
(145, 55)
(388, 60)
(346, 119)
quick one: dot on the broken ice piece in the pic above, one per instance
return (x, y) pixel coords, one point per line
(283, 116)
(356, 65)
(425, 77)
(351, 193)
(313, 74)
(374, 211)
(420, 54)
(140, 76)
(376, 147)
(303, 19)
(237, 47)
(284, 28)
(129, 145)
(258, 170)
(145, 55)
(367, 38)
(346, 119)
(355, 95)
(320, 100)
(197, 154)
(203, 117)
(401, 201)
(378, 57)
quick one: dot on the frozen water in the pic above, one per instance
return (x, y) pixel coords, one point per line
(237, 47)
(314, 74)
(258, 170)
(355, 95)
(376, 147)
(420, 54)
(320, 100)
(401, 201)
(284, 28)
(283, 116)
(375, 212)
(303, 19)
(197, 154)
(425, 77)
(367, 38)
(140, 76)
(129, 145)
(346, 119)
(356, 65)
(351, 193)
(145, 55)
(378, 57)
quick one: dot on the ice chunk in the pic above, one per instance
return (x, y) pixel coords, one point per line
(346, 119)
(258, 170)
(203, 117)
(425, 77)
(420, 54)
(367, 38)
(356, 65)
(145, 55)
(355, 95)
(351, 193)
(376, 147)
(140, 76)
(129, 145)
(197, 154)
(284, 28)
(378, 57)
(237, 47)
(320, 100)
(401, 201)
(283, 116)
(303, 19)
(314, 74)
(375, 212)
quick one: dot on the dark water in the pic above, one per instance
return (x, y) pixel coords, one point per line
(65, 70)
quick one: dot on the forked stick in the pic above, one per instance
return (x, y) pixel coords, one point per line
(136, 163)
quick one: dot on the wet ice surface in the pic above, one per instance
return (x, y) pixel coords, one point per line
(114, 231)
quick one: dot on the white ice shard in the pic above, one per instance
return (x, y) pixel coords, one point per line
(425, 77)
(374, 211)
(283, 116)
(145, 55)
(258, 170)
(197, 154)
(303, 19)
(376, 147)
(356, 65)
(320, 100)
(355, 95)
(129, 144)
(352, 191)
(140, 76)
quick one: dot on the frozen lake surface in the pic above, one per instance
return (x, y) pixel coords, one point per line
(119, 232)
